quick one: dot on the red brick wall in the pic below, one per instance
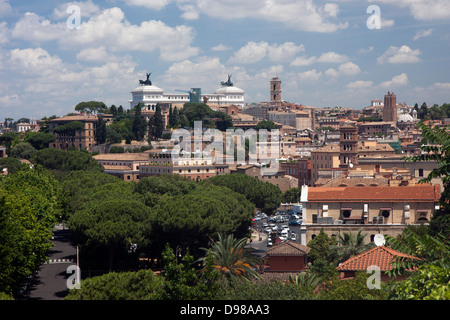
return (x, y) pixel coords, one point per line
(287, 263)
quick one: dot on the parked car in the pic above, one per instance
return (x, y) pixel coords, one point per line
(295, 222)
(293, 236)
(269, 242)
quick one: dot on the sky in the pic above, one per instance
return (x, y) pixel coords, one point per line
(55, 54)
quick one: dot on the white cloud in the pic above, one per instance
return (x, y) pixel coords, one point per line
(94, 54)
(87, 9)
(5, 8)
(150, 4)
(303, 61)
(36, 29)
(221, 47)
(110, 29)
(331, 9)
(360, 84)
(332, 57)
(311, 75)
(442, 85)
(302, 15)
(326, 57)
(4, 32)
(364, 50)
(49, 85)
(347, 68)
(403, 54)
(422, 9)
(422, 33)
(187, 74)
(386, 23)
(256, 51)
(284, 52)
(396, 81)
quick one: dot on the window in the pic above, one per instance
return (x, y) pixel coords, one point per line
(385, 213)
(420, 172)
(346, 213)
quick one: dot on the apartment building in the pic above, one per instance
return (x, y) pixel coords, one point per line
(123, 165)
(75, 131)
(193, 165)
(379, 209)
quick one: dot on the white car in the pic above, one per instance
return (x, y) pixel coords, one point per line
(269, 242)
(293, 236)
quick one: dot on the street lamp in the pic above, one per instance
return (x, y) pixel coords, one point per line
(178, 252)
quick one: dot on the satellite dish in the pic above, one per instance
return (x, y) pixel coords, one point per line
(379, 240)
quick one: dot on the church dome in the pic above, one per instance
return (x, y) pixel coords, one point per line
(405, 117)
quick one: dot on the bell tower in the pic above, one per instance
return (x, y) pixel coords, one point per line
(348, 144)
(275, 89)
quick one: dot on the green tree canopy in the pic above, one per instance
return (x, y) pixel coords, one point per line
(91, 107)
(190, 220)
(437, 148)
(139, 285)
(291, 195)
(28, 209)
(154, 187)
(110, 226)
(263, 195)
(23, 150)
(266, 124)
(60, 160)
(39, 140)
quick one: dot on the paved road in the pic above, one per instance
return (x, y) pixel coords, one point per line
(50, 282)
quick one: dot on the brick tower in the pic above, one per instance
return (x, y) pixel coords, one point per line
(348, 143)
(390, 107)
(275, 89)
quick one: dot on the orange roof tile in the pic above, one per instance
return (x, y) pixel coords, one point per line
(288, 248)
(417, 193)
(380, 256)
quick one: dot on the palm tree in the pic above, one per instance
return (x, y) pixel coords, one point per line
(231, 259)
(349, 244)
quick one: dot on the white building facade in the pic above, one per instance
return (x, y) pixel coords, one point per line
(150, 95)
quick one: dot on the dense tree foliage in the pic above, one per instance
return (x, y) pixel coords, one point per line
(28, 210)
(231, 258)
(139, 124)
(112, 221)
(39, 140)
(65, 161)
(263, 195)
(436, 147)
(266, 124)
(193, 111)
(190, 220)
(140, 285)
(291, 195)
(154, 187)
(23, 150)
(156, 125)
(91, 107)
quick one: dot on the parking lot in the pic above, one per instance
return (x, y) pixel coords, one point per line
(278, 228)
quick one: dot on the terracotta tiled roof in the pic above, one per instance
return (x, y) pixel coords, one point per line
(122, 156)
(380, 256)
(417, 193)
(76, 117)
(288, 248)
